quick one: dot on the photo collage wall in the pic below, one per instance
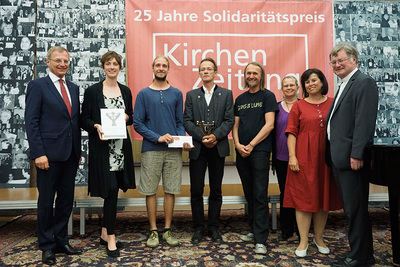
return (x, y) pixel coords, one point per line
(89, 28)
(373, 27)
(17, 54)
(96, 26)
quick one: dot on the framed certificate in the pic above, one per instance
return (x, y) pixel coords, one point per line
(113, 123)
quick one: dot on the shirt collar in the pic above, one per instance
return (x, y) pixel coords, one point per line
(206, 91)
(55, 78)
(347, 78)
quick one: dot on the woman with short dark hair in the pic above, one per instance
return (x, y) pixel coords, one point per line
(310, 186)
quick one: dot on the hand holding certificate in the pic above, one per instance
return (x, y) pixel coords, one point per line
(113, 123)
(180, 140)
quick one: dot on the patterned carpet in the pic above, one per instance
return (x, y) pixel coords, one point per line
(18, 243)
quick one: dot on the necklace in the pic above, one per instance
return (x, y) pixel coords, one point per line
(287, 105)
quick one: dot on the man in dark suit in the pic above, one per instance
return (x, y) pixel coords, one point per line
(350, 128)
(213, 105)
(52, 126)
(391, 63)
(390, 36)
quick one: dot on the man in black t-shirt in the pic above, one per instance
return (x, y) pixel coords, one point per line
(254, 120)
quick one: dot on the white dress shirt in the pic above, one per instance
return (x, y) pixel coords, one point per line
(208, 95)
(56, 81)
(342, 85)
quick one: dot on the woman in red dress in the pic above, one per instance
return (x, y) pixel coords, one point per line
(310, 187)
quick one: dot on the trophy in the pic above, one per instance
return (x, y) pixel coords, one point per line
(206, 128)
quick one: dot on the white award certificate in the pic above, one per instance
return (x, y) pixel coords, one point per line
(113, 123)
(179, 140)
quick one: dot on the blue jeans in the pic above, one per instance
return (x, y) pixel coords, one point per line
(254, 174)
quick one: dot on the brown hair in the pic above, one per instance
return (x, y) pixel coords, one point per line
(110, 55)
(160, 56)
(210, 60)
(262, 75)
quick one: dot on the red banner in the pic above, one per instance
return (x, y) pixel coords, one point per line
(285, 37)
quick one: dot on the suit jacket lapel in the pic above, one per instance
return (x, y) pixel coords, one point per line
(346, 90)
(201, 102)
(52, 88)
(215, 101)
(100, 96)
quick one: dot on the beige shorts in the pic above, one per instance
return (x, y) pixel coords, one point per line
(165, 163)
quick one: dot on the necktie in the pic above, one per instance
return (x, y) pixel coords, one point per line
(65, 97)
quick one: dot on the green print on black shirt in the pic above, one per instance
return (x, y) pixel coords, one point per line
(250, 105)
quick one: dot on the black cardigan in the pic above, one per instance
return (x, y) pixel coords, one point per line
(99, 165)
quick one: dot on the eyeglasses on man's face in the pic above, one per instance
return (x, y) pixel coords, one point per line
(340, 61)
(59, 61)
(206, 69)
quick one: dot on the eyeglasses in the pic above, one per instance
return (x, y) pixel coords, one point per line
(340, 61)
(206, 69)
(59, 61)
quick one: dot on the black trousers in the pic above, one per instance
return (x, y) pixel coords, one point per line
(353, 189)
(287, 217)
(53, 222)
(197, 168)
(254, 174)
(110, 203)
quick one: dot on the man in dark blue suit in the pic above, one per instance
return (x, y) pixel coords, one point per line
(52, 126)
(350, 128)
(212, 105)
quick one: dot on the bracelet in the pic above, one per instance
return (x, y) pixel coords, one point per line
(251, 145)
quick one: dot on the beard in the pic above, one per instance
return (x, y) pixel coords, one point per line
(160, 79)
(252, 84)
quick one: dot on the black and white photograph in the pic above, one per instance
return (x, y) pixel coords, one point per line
(372, 27)
(17, 58)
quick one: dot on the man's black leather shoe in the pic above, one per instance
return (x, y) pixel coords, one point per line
(216, 236)
(197, 236)
(348, 262)
(67, 249)
(48, 257)
(341, 257)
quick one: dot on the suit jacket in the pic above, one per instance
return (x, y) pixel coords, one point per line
(353, 121)
(394, 66)
(387, 38)
(222, 106)
(99, 162)
(51, 131)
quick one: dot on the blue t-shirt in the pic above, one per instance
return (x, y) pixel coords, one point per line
(158, 112)
(251, 108)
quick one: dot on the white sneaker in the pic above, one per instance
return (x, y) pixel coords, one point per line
(260, 249)
(249, 237)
